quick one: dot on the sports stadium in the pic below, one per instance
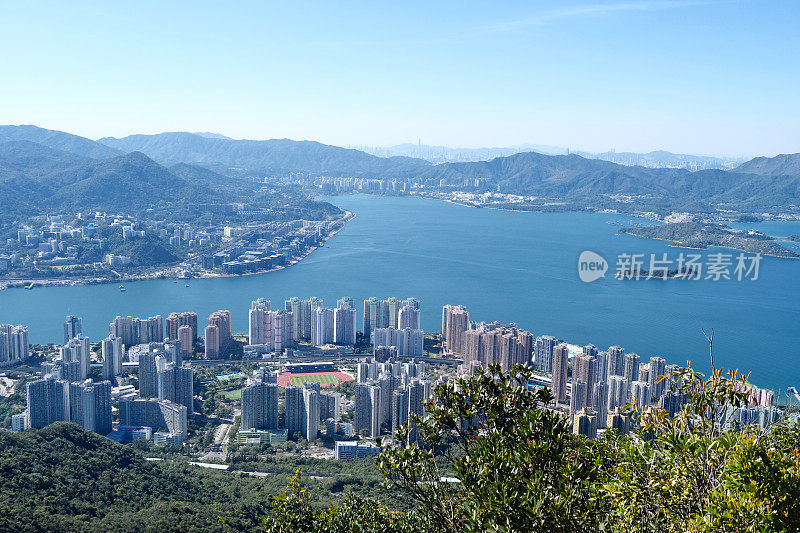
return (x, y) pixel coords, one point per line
(323, 373)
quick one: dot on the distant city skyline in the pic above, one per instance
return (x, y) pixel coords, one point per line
(696, 77)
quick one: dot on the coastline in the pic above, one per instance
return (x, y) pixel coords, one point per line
(677, 244)
(168, 272)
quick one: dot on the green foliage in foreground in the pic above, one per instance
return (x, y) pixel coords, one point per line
(491, 457)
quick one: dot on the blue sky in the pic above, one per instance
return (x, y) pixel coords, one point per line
(709, 77)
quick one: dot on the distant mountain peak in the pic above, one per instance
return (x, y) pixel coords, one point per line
(780, 165)
(210, 135)
(59, 140)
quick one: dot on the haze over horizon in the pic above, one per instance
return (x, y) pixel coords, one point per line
(476, 77)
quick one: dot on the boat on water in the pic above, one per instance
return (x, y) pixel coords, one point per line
(122, 288)
(29, 287)
(186, 285)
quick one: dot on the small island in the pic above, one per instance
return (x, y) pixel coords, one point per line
(702, 235)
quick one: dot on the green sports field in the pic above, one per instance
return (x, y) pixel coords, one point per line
(232, 394)
(322, 379)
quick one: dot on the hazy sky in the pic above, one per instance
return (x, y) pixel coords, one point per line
(710, 77)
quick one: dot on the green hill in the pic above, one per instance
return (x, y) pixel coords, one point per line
(59, 140)
(63, 478)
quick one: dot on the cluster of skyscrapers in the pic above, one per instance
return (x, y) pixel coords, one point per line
(66, 391)
(334, 326)
(481, 344)
(601, 384)
(387, 395)
(86, 403)
(391, 313)
(183, 327)
(305, 406)
(218, 336)
(301, 320)
(13, 343)
(133, 330)
(394, 323)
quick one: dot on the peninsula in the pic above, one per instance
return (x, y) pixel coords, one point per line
(702, 235)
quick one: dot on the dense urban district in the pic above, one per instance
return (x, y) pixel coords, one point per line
(180, 423)
(347, 400)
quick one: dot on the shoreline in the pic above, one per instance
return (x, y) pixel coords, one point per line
(677, 244)
(163, 273)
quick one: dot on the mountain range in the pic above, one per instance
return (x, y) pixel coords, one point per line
(655, 159)
(276, 156)
(37, 178)
(59, 169)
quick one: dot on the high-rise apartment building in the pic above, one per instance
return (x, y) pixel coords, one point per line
(86, 403)
(641, 394)
(617, 392)
(455, 323)
(330, 405)
(111, 350)
(299, 309)
(218, 337)
(579, 396)
(77, 349)
(212, 343)
(275, 330)
(186, 338)
(47, 402)
(585, 423)
(176, 384)
(657, 376)
(73, 327)
(503, 344)
(90, 405)
(368, 414)
(294, 409)
(409, 342)
(260, 406)
(376, 315)
(409, 317)
(303, 410)
(543, 353)
(344, 322)
(175, 321)
(584, 367)
(418, 393)
(600, 402)
(602, 374)
(559, 366)
(630, 367)
(311, 411)
(616, 361)
(616, 420)
(154, 413)
(148, 377)
(260, 322)
(384, 353)
(282, 331)
(135, 331)
(322, 326)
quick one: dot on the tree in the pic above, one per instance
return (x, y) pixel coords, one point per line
(687, 473)
(491, 456)
(292, 512)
